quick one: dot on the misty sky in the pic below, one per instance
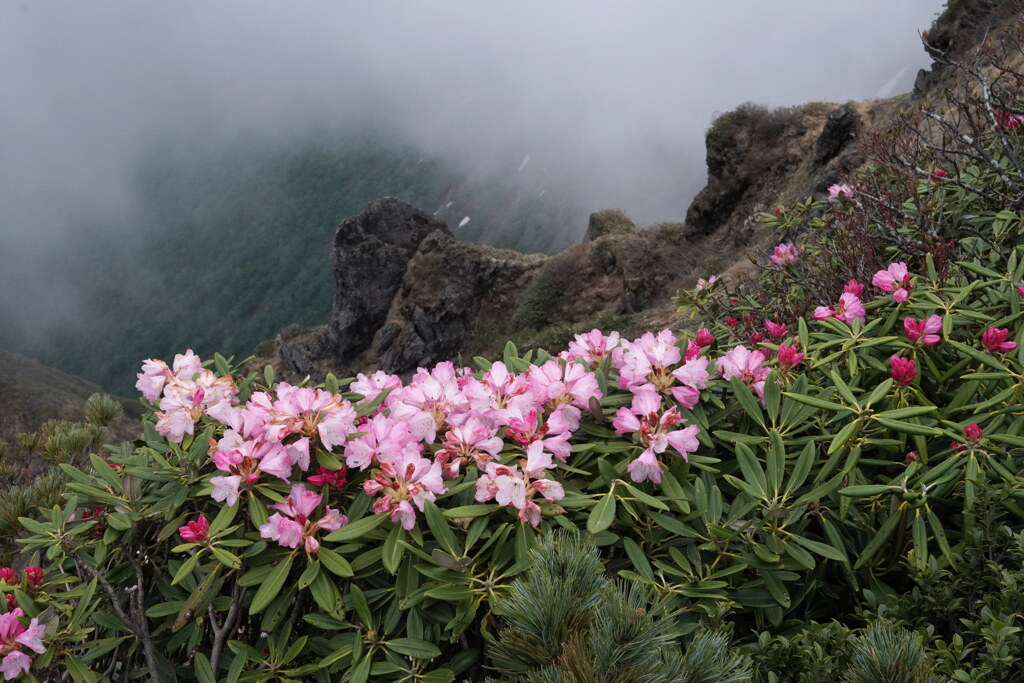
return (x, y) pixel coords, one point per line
(616, 95)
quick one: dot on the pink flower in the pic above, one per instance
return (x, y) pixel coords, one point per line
(12, 637)
(849, 308)
(788, 357)
(592, 347)
(9, 576)
(973, 434)
(902, 370)
(702, 283)
(922, 331)
(836, 191)
(225, 489)
(936, 176)
(655, 433)
(473, 442)
(747, 365)
(785, 254)
(195, 531)
(994, 339)
(371, 387)
(34, 576)
(325, 477)
(895, 279)
(1020, 292)
(776, 330)
(298, 506)
(854, 287)
(408, 477)
(517, 486)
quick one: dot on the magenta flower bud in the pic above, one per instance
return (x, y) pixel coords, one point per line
(776, 330)
(788, 357)
(9, 576)
(854, 287)
(195, 531)
(704, 337)
(756, 338)
(34, 575)
(994, 339)
(732, 322)
(973, 433)
(903, 370)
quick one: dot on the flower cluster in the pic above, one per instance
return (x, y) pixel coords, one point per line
(13, 637)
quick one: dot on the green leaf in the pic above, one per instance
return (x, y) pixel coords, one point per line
(79, 672)
(411, 647)
(470, 511)
(644, 498)
(393, 550)
(902, 413)
(356, 529)
(335, 563)
(105, 472)
(907, 427)
(185, 570)
(269, 589)
(879, 539)
(751, 406)
(229, 560)
(776, 588)
(309, 574)
(638, 558)
(867, 490)
(440, 529)
(673, 525)
(775, 462)
(602, 514)
(751, 468)
(223, 519)
(204, 672)
(816, 402)
(823, 549)
(802, 468)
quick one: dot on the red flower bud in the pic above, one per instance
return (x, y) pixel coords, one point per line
(973, 433)
(34, 575)
(903, 370)
(11, 601)
(9, 576)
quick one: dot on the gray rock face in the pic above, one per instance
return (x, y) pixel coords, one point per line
(371, 251)
(840, 128)
(608, 222)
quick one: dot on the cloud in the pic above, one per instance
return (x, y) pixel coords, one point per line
(613, 95)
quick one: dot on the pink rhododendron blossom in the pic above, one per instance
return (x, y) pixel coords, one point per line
(499, 394)
(747, 365)
(246, 460)
(994, 340)
(430, 401)
(693, 376)
(553, 434)
(702, 283)
(225, 489)
(895, 279)
(789, 358)
(308, 413)
(592, 347)
(371, 387)
(516, 486)
(473, 442)
(836, 191)
(854, 287)
(555, 385)
(186, 400)
(922, 332)
(902, 370)
(195, 531)
(14, 636)
(655, 433)
(776, 330)
(785, 254)
(647, 362)
(409, 477)
(297, 527)
(385, 438)
(849, 308)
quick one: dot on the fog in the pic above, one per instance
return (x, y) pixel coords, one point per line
(609, 98)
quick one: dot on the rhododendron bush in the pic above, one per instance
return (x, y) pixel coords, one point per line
(830, 430)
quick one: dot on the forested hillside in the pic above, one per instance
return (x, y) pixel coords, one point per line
(232, 245)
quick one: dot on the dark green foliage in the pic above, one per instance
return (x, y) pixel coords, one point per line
(102, 410)
(566, 622)
(887, 654)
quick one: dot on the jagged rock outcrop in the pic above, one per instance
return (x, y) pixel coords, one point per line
(371, 251)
